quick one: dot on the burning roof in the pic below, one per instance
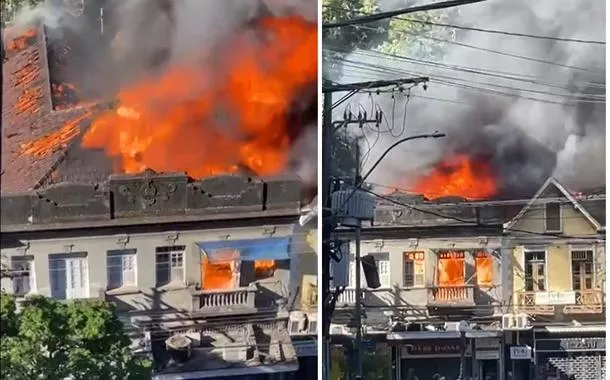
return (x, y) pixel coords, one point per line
(238, 110)
(28, 117)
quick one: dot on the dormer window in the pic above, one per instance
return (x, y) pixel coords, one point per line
(552, 217)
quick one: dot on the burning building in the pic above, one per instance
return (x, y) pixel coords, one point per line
(486, 262)
(177, 186)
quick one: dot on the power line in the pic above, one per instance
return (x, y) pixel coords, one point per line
(493, 31)
(514, 92)
(386, 15)
(499, 52)
(471, 70)
(581, 98)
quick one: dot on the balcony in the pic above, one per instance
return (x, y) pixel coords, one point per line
(536, 303)
(460, 296)
(589, 301)
(219, 302)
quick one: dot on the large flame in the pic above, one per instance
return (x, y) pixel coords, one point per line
(204, 121)
(459, 176)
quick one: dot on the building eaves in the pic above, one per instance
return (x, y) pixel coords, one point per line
(565, 193)
(150, 198)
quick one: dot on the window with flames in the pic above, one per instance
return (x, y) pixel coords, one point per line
(228, 271)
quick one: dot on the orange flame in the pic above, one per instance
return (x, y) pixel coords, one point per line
(459, 176)
(264, 268)
(55, 141)
(23, 41)
(181, 121)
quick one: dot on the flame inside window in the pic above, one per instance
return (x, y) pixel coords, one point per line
(220, 275)
(485, 269)
(264, 268)
(451, 269)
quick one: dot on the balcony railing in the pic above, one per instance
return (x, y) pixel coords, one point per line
(589, 301)
(458, 296)
(230, 301)
(348, 297)
(526, 302)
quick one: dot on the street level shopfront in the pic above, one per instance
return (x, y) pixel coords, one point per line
(579, 353)
(424, 353)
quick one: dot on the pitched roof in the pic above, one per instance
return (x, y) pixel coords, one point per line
(564, 192)
(35, 137)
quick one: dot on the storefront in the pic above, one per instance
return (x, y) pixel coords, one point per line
(487, 363)
(425, 353)
(579, 353)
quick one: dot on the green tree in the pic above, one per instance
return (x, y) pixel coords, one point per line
(9, 9)
(80, 340)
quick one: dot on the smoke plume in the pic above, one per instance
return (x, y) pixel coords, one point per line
(551, 121)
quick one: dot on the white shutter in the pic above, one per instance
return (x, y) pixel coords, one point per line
(129, 275)
(76, 278)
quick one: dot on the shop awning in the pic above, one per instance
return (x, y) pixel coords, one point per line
(248, 249)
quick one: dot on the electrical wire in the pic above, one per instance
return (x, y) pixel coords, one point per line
(406, 191)
(515, 94)
(468, 69)
(366, 67)
(493, 31)
(499, 52)
(471, 222)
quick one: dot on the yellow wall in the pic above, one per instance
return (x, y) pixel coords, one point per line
(558, 255)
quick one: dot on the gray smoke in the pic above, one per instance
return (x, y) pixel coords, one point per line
(526, 140)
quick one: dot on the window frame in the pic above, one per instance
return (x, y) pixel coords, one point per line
(438, 253)
(68, 258)
(546, 270)
(406, 260)
(122, 253)
(171, 252)
(490, 256)
(560, 217)
(593, 267)
(31, 277)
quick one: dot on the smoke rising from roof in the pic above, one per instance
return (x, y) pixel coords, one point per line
(561, 134)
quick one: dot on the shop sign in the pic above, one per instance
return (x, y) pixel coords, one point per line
(571, 344)
(487, 343)
(555, 298)
(488, 354)
(445, 347)
(520, 352)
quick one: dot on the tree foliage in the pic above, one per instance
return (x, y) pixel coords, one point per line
(376, 364)
(9, 9)
(79, 340)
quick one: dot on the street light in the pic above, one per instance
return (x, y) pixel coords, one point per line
(462, 328)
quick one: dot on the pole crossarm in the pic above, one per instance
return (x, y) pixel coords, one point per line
(330, 88)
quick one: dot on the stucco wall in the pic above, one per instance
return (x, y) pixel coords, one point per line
(144, 296)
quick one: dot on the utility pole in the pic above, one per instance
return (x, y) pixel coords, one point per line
(358, 292)
(328, 220)
(327, 136)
